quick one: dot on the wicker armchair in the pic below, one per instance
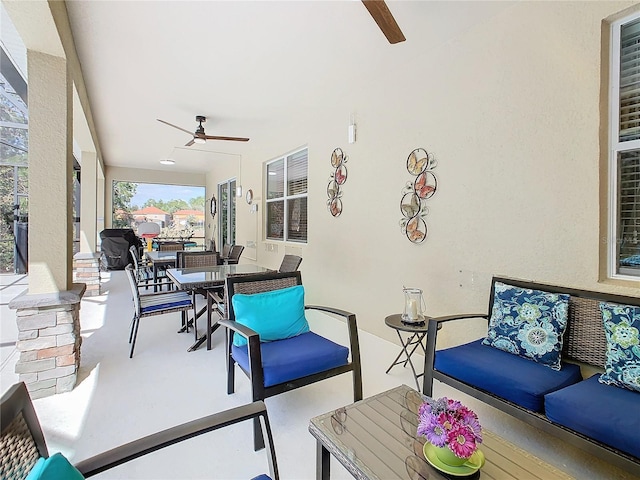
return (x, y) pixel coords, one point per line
(22, 442)
(279, 366)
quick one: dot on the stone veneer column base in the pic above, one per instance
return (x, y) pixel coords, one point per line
(86, 269)
(48, 340)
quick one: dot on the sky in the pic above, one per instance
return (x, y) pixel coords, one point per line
(146, 191)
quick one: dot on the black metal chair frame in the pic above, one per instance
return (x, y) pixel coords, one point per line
(138, 314)
(20, 426)
(265, 282)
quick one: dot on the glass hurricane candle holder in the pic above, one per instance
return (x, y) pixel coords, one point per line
(414, 305)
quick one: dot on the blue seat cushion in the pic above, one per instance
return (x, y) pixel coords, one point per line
(164, 301)
(295, 357)
(511, 377)
(606, 413)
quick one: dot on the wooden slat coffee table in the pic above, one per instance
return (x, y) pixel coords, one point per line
(376, 439)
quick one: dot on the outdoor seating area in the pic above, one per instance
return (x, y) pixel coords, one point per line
(405, 249)
(162, 371)
(544, 386)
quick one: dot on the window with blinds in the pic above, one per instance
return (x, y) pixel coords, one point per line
(629, 212)
(630, 81)
(625, 160)
(286, 203)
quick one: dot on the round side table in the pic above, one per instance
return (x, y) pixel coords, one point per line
(417, 333)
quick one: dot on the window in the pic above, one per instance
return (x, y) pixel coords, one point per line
(286, 203)
(624, 161)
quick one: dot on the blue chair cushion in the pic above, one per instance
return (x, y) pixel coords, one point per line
(604, 412)
(513, 378)
(529, 323)
(274, 315)
(622, 327)
(164, 301)
(294, 357)
(55, 467)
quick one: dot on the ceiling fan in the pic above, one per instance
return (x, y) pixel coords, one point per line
(383, 17)
(199, 136)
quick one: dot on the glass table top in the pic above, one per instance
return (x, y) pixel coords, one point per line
(376, 439)
(216, 275)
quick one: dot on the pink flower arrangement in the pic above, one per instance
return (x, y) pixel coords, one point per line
(446, 422)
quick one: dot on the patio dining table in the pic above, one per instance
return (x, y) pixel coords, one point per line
(201, 279)
(159, 260)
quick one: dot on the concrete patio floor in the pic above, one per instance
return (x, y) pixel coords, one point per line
(118, 399)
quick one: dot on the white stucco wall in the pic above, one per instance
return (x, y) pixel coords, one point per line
(510, 108)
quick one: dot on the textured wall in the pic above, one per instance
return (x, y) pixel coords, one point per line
(510, 107)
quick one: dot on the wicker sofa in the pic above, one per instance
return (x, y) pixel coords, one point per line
(603, 420)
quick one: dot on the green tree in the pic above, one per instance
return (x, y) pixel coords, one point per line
(169, 206)
(123, 192)
(197, 203)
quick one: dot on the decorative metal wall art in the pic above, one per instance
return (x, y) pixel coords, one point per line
(413, 206)
(337, 178)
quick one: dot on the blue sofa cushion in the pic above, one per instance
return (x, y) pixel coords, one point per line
(274, 315)
(528, 323)
(622, 327)
(603, 412)
(295, 357)
(513, 378)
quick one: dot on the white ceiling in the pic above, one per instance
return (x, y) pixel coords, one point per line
(245, 65)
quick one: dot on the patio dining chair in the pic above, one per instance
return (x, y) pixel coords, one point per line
(290, 263)
(234, 254)
(193, 260)
(144, 271)
(23, 446)
(152, 304)
(226, 248)
(170, 246)
(268, 337)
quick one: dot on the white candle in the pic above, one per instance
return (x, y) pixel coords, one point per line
(413, 310)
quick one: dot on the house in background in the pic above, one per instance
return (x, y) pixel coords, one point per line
(152, 214)
(511, 99)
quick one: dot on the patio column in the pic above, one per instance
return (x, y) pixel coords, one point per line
(86, 263)
(50, 174)
(88, 200)
(48, 314)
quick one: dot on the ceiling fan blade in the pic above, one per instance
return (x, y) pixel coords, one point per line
(383, 17)
(234, 139)
(175, 126)
(188, 144)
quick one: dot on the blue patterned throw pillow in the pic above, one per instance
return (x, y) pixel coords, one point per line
(622, 326)
(528, 323)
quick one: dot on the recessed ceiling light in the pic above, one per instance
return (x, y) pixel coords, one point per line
(167, 161)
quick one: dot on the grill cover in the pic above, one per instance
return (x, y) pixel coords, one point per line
(115, 243)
